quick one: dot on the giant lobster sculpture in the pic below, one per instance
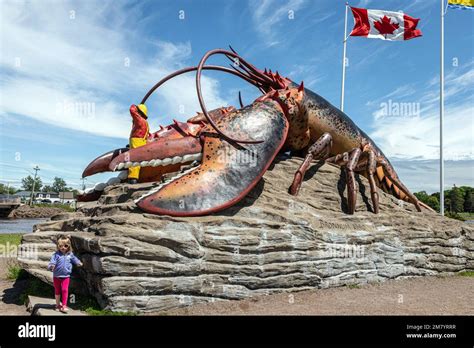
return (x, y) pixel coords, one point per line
(286, 117)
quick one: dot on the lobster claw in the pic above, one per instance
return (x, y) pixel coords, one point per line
(227, 171)
(101, 163)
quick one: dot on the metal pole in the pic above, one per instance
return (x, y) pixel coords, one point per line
(441, 115)
(344, 59)
(34, 182)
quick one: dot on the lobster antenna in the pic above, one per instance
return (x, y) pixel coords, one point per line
(251, 67)
(240, 100)
(194, 68)
(201, 100)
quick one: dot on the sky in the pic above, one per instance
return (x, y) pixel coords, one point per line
(70, 70)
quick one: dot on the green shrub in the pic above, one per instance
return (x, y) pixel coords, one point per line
(466, 274)
(36, 288)
(15, 272)
(456, 216)
(91, 307)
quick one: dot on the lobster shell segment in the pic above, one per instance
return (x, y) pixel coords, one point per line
(228, 171)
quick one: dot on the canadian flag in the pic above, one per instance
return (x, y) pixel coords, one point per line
(385, 25)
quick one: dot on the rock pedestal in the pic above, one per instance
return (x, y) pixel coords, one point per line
(269, 242)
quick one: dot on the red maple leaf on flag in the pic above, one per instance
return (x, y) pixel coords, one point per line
(385, 26)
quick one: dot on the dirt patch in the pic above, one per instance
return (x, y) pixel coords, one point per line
(10, 291)
(27, 212)
(416, 296)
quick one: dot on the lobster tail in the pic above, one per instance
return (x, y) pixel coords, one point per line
(387, 186)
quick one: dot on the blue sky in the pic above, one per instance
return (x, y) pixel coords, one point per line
(70, 70)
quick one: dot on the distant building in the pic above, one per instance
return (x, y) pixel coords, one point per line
(66, 195)
(24, 195)
(53, 197)
(46, 195)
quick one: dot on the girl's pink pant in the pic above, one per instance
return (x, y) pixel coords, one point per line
(61, 287)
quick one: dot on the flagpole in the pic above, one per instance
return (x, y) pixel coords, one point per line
(441, 115)
(344, 59)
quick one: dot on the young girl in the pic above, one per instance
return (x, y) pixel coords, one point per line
(61, 265)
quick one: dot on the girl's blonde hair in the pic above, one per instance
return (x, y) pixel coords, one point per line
(63, 239)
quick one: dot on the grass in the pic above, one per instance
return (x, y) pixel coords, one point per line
(65, 207)
(353, 286)
(103, 312)
(467, 216)
(456, 216)
(15, 272)
(91, 307)
(10, 239)
(460, 216)
(466, 274)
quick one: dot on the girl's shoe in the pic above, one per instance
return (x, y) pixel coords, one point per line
(64, 309)
(58, 308)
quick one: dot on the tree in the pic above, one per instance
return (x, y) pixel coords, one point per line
(27, 183)
(47, 188)
(433, 202)
(456, 200)
(59, 185)
(5, 189)
(422, 196)
(469, 200)
(456, 204)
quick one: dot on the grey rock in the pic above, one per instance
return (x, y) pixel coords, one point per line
(269, 242)
(40, 306)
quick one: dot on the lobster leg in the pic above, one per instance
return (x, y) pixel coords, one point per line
(371, 167)
(319, 149)
(393, 177)
(340, 159)
(350, 178)
(349, 160)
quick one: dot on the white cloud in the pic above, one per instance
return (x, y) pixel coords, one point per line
(50, 59)
(268, 15)
(417, 136)
(399, 92)
(363, 3)
(423, 175)
(82, 111)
